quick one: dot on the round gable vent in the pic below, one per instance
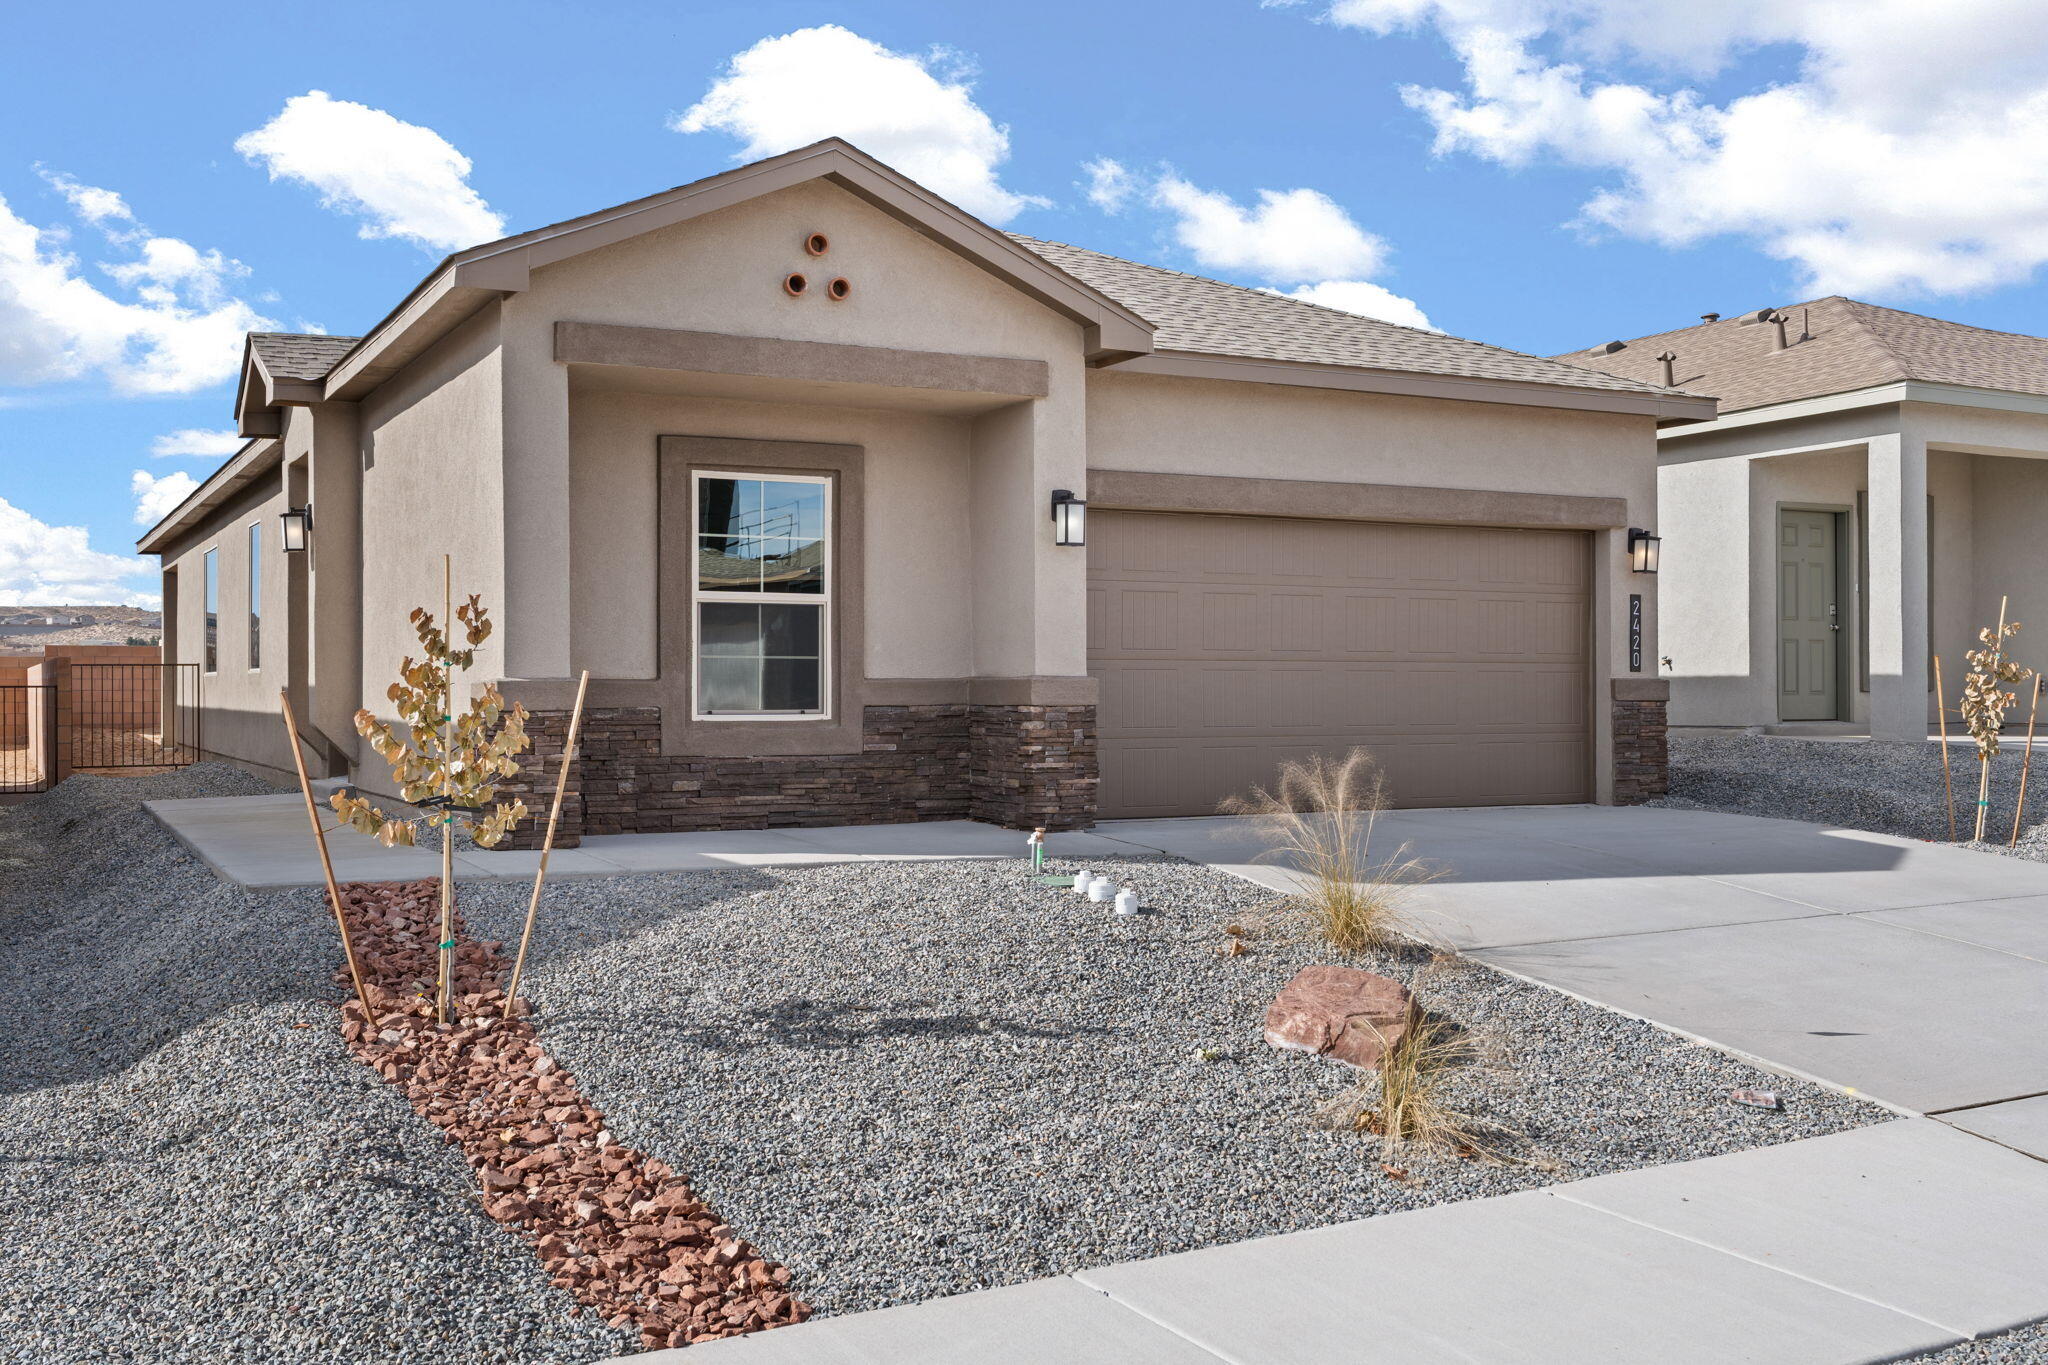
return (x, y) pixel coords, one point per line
(794, 284)
(840, 287)
(817, 244)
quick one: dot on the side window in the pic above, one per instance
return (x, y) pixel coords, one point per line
(213, 610)
(255, 595)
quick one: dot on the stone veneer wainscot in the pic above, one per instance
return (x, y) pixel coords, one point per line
(1015, 765)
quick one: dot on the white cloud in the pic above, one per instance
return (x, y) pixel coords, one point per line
(44, 563)
(1292, 236)
(1903, 157)
(1110, 185)
(915, 113)
(402, 179)
(91, 203)
(1365, 298)
(155, 497)
(177, 329)
(195, 443)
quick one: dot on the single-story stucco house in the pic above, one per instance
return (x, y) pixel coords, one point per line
(1874, 483)
(780, 456)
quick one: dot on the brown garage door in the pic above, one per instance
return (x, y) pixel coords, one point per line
(1227, 644)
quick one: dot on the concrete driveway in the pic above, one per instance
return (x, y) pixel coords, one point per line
(1913, 973)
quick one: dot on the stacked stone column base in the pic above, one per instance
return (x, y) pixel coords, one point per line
(1642, 750)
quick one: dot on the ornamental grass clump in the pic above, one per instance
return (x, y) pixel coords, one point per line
(1321, 817)
(448, 765)
(1406, 1104)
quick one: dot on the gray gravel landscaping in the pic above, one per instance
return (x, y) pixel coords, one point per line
(1884, 787)
(914, 1079)
(2021, 1346)
(191, 1167)
(903, 1079)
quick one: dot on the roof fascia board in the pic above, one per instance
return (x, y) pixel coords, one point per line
(1683, 407)
(1905, 391)
(418, 308)
(245, 465)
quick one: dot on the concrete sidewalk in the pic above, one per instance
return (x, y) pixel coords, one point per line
(1862, 1246)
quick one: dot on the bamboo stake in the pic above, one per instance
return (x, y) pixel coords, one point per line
(547, 846)
(1948, 795)
(1984, 759)
(2019, 810)
(291, 727)
(445, 987)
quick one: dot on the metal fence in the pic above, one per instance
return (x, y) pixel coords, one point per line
(134, 715)
(28, 737)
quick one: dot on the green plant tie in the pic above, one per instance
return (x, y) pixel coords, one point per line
(449, 944)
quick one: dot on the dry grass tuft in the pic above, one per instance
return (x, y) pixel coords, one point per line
(1404, 1103)
(1321, 817)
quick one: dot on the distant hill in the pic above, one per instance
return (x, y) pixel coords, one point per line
(29, 626)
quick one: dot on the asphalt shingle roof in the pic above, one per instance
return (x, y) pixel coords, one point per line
(299, 355)
(1209, 317)
(1190, 314)
(1848, 345)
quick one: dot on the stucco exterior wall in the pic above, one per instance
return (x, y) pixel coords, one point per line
(239, 713)
(918, 598)
(432, 483)
(723, 273)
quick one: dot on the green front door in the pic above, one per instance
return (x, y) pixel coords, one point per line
(1809, 621)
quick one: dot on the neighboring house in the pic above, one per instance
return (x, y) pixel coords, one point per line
(1873, 485)
(775, 456)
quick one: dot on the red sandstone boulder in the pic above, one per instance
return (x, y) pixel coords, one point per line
(1349, 1015)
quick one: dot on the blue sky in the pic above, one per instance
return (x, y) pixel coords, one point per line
(1541, 174)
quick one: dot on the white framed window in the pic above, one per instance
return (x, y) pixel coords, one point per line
(213, 610)
(255, 596)
(762, 599)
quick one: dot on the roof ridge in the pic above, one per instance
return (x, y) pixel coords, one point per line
(1875, 338)
(1945, 322)
(1263, 292)
(1326, 308)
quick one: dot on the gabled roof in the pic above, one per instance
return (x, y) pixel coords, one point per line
(1201, 316)
(1839, 345)
(299, 355)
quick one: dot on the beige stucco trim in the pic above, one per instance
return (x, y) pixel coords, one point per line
(665, 348)
(558, 694)
(1642, 689)
(1680, 407)
(1130, 490)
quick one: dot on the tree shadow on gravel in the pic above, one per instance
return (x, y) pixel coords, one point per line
(818, 1025)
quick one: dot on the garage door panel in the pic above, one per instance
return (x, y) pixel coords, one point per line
(1227, 645)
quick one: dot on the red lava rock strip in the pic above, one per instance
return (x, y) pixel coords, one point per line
(1343, 1013)
(615, 1227)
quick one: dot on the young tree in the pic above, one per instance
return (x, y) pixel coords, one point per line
(447, 765)
(1985, 699)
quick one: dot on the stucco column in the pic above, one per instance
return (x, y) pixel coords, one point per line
(333, 483)
(534, 621)
(1898, 586)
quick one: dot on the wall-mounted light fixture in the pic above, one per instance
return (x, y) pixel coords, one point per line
(1643, 550)
(297, 523)
(1069, 518)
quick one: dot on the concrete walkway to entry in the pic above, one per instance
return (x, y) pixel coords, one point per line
(264, 842)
